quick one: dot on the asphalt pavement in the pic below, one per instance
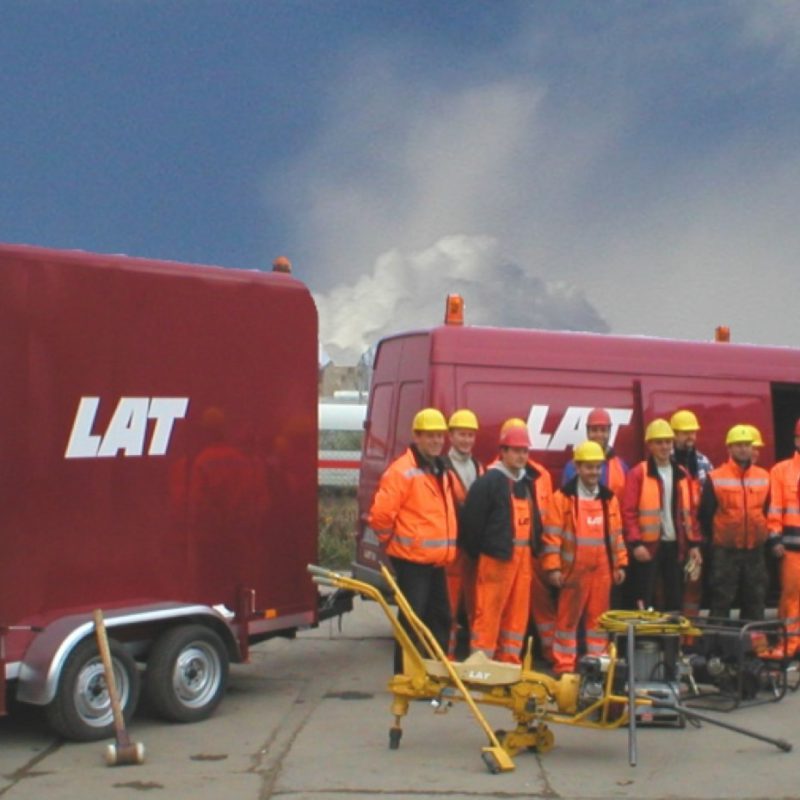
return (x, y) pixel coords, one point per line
(309, 718)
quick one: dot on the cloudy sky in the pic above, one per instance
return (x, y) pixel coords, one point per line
(619, 166)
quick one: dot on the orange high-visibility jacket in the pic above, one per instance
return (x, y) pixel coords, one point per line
(783, 517)
(741, 495)
(616, 475)
(641, 507)
(560, 539)
(413, 512)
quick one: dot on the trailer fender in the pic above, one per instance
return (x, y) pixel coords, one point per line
(40, 669)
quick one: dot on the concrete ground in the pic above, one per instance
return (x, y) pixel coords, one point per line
(309, 719)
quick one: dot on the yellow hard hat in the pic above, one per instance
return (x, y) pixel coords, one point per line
(684, 421)
(739, 434)
(659, 429)
(588, 451)
(429, 419)
(513, 422)
(463, 418)
(757, 440)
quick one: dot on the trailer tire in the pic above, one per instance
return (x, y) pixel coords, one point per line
(81, 709)
(187, 673)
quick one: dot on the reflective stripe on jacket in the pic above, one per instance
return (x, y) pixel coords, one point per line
(560, 536)
(641, 507)
(783, 517)
(739, 520)
(413, 512)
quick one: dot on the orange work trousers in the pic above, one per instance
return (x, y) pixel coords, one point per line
(461, 575)
(502, 605)
(789, 604)
(543, 609)
(586, 594)
(692, 598)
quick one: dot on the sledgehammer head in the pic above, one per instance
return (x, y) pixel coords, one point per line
(118, 755)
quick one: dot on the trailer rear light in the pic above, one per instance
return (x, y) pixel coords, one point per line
(454, 310)
(271, 613)
(722, 333)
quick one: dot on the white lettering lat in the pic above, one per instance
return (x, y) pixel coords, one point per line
(127, 430)
(571, 428)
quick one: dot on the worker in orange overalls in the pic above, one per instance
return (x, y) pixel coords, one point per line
(499, 524)
(543, 596)
(464, 468)
(583, 555)
(598, 429)
(413, 514)
(783, 524)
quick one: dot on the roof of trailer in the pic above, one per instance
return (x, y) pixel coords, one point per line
(43, 255)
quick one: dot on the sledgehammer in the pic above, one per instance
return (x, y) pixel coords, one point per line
(123, 751)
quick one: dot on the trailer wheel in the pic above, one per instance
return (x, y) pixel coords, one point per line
(187, 672)
(81, 709)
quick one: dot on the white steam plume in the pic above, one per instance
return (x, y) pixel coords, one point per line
(407, 291)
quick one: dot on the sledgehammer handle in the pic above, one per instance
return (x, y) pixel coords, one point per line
(111, 683)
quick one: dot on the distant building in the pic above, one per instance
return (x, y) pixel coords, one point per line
(334, 380)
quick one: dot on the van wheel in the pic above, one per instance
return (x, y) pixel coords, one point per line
(81, 709)
(187, 672)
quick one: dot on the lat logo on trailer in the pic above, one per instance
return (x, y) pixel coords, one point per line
(571, 430)
(127, 430)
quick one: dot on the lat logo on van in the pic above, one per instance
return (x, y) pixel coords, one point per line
(127, 430)
(571, 429)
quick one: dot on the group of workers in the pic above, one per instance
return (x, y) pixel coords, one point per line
(499, 546)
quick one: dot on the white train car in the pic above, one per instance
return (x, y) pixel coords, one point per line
(341, 432)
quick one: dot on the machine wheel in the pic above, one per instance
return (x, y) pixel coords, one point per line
(81, 709)
(545, 741)
(395, 734)
(491, 763)
(187, 672)
(506, 740)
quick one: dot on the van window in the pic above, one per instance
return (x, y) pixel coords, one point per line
(785, 410)
(379, 419)
(718, 405)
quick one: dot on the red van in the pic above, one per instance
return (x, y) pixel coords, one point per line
(553, 379)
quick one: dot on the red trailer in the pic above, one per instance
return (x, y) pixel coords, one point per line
(158, 460)
(553, 379)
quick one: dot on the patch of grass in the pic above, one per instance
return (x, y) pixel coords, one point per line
(338, 512)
